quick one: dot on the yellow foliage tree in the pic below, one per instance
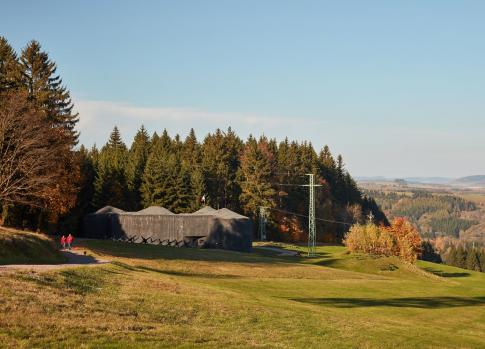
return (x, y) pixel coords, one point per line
(400, 239)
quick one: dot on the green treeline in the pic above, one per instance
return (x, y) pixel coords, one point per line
(461, 255)
(227, 172)
(466, 257)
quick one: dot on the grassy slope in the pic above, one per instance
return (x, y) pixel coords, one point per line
(20, 247)
(155, 296)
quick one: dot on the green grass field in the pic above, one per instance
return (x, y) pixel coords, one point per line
(162, 297)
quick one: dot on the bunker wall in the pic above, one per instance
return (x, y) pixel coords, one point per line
(231, 234)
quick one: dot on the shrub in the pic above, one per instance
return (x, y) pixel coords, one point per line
(400, 239)
(370, 239)
(408, 242)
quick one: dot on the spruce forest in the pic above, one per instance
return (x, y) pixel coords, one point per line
(227, 172)
(176, 173)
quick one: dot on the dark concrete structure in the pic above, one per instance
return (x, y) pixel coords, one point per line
(207, 227)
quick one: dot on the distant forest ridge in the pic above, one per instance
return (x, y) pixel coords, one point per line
(477, 181)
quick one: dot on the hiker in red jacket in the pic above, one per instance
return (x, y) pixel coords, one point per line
(69, 241)
(63, 242)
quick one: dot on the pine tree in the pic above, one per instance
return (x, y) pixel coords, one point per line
(10, 73)
(94, 155)
(473, 259)
(339, 192)
(137, 159)
(289, 165)
(308, 159)
(110, 186)
(46, 90)
(155, 179)
(166, 142)
(199, 190)
(326, 159)
(461, 255)
(154, 139)
(191, 160)
(171, 183)
(256, 172)
(429, 253)
(482, 260)
(177, 146)
(191, 150)
(220, 161)
(183, 200)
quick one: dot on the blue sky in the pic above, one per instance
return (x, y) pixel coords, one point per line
(397, 87)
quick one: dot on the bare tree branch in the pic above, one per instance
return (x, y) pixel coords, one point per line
(34, 155)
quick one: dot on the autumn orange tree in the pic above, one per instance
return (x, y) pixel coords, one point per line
(399, 239)
(408, 242)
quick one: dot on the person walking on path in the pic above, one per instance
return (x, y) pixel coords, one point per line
(69, 241)
(63, 242)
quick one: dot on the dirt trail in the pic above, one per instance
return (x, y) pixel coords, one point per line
(75, 258)
(281, 251)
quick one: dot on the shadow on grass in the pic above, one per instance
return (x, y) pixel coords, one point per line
(189, 274)
(445, 274)
(149, 252)
(329, 262)
(75, 258)
(411, 302)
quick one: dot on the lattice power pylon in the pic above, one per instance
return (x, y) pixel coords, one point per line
(312, 230)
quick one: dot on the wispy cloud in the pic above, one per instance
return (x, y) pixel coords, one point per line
(390, 149)
(97, 119)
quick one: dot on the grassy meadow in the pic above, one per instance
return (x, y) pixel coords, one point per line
(163, 297)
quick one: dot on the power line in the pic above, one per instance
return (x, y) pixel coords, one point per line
(312, 230)
(305, 216)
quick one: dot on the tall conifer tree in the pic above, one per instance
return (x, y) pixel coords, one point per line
(110, 186)
(257, 168)
(221, 162)
(10, 73)
(155, 179)
(137, 159)
(46, 89)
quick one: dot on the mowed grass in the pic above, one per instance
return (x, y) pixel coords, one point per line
(21, 247)
(162, 297)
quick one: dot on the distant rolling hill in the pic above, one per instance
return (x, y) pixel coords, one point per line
(417, 180)
(465, 182)
(470, 181)
(428, 180)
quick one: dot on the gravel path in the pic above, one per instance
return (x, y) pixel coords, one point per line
(282, 252)
(75, 258)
